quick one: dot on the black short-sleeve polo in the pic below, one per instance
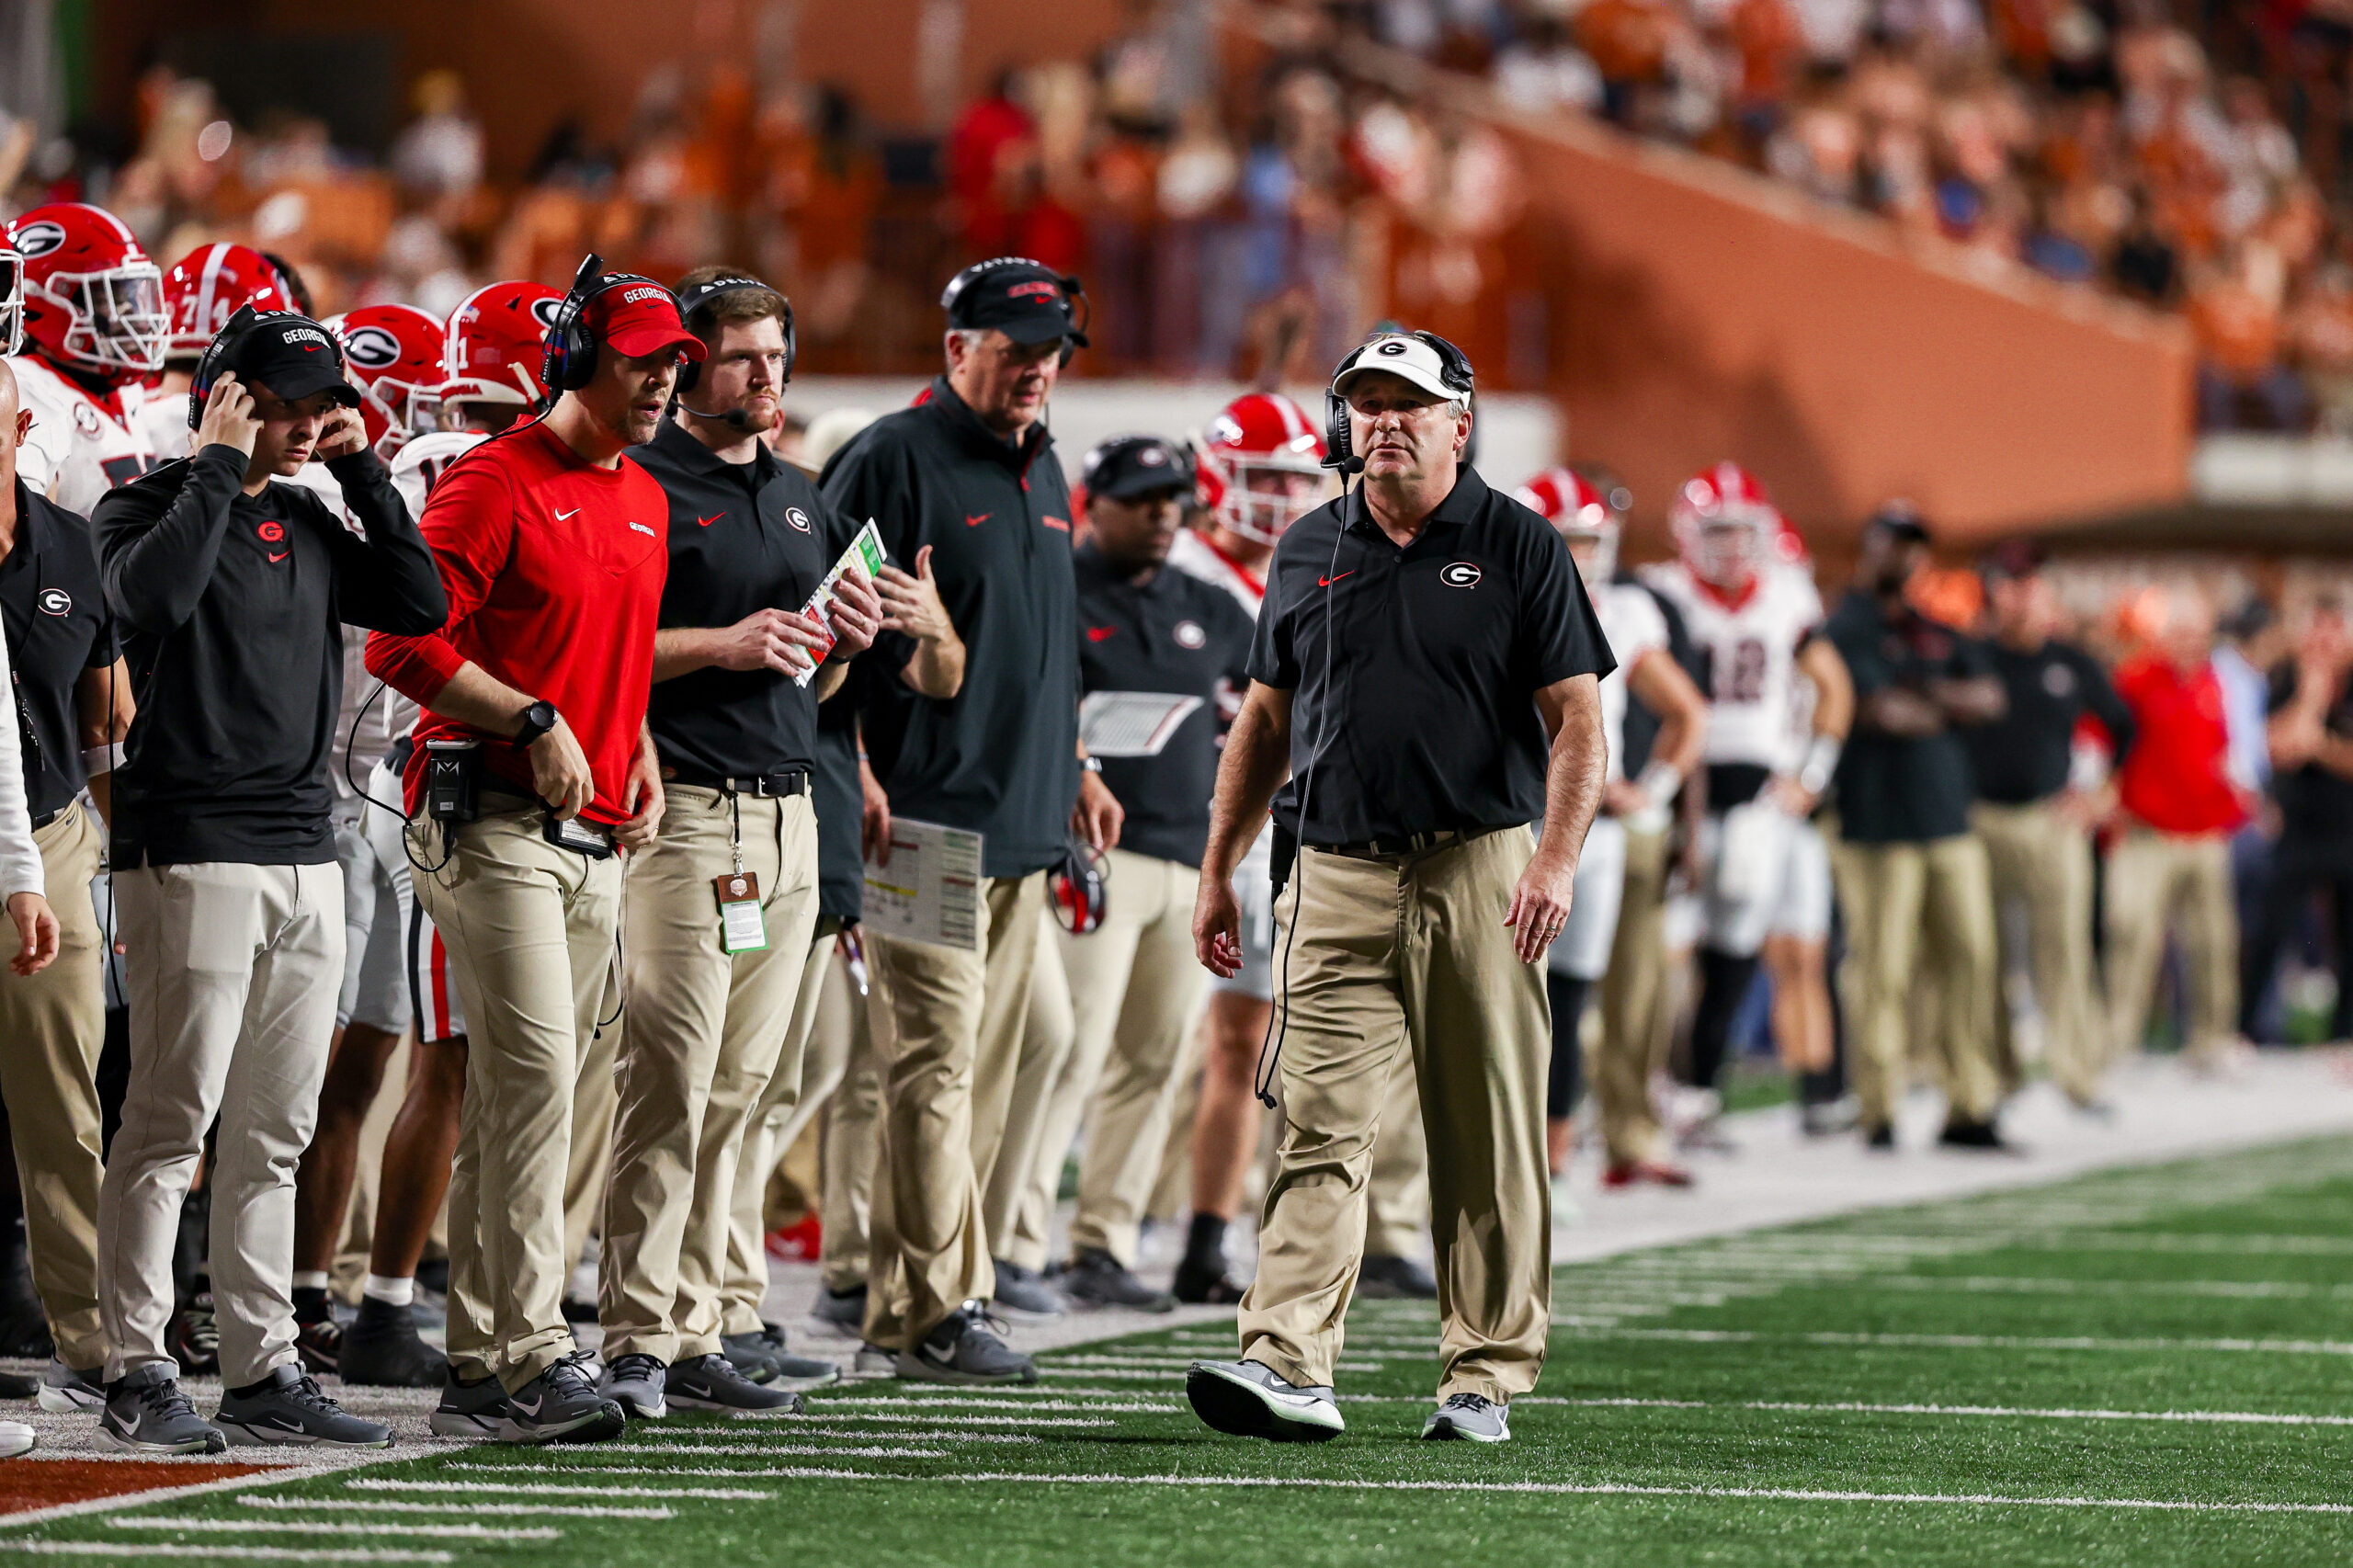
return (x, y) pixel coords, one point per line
(54, 608)
(1415, 670)
(1902, 788)
(743, 537)
(1175, 635)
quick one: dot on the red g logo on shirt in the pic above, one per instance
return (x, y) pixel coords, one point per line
(272, 532)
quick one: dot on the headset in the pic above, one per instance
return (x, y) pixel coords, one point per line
(1078, 889)
(570, 361)
(1339, 436)
(214, 363)
(1076, 306)
(701, 297)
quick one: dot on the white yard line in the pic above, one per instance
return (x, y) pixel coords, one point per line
(1049, 1398)
(360, 1505)
(2216, 1417)
(699, 1443)
(952, 1420)
(144, 1549)
(503, 1489)
(336, 1526)
(1972, 1341)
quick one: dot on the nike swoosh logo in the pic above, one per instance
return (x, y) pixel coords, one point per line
(566, 517)
(1100, 633)
(1327, 582)
(706, 522)
(973, 522)
(281, 555)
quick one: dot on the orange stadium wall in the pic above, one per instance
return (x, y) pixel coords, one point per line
(1696, 311)
(527, 63)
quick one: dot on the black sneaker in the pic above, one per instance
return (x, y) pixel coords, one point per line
(1384, 1277)
(845, 1310)
(320, 1343)
(1098, 1279)
(381, 1349)
(1023, 1293)
(1196, 1285)
(288, 1408)
(713, 1382)
(195, 1337)
(763, 1357)
(561, 1405)
(966, 1346)
(147, 1414)
(1967, 1132)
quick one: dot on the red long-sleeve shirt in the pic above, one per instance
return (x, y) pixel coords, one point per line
(554, 568)
(2176, 776)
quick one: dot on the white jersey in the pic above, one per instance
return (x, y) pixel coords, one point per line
(1631, 620)
(81, 446)
(422, 460)
(163, 419)
(1751, 646)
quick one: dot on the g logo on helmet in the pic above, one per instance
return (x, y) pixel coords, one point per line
(55, 601)
(544, 311)
(371, 348)
(1191, 635)
(1460, 574)
(38, 239)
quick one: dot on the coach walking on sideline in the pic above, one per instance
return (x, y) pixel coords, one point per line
(726, 900)
(550, 541)
(967, 480)
(233, 590)
(1418, 641)
(71, 693)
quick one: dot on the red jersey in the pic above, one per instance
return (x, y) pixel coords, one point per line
(554, 570)
(2176, 776)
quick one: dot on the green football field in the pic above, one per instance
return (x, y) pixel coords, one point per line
(2146, 1367)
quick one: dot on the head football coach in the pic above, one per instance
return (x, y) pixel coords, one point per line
(1422, 637)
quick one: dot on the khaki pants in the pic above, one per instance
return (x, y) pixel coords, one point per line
(703, 1038)
(947, 1028)
(822, 1055)
(530, 931)
(1633, 1037)
(1397, 1190)
(1916, 911)
(1017, 1225)
(53, 1026)
(2159, 883)
(1410, 953)
(1135, 990)
(232, 972)
(852, 1137)
(2044, 861)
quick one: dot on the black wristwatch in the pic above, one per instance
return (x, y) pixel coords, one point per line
(538, 720)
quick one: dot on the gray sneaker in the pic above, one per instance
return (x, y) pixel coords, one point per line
(471, 1410)
(561, 1405)
(636, 1384)
(874, 1361)
(147, 1414)
(1248, 1399)
(845, 1310)
(763, 1357)
(64, 1389)
(713, 1382)
(1470, 1418)
(1098, 1279)
(966, 1348)
(1023, 1294)
(288, 1408)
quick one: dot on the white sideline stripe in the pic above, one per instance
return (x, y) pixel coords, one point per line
(1601, 1489)
(764, 1450)
(2026, 1285)
(2047, 1239)
(1134, 1374)
(699, 1443)
(1973, 1341)
(587, 1458)
(658, 1471)
(361, 1505)
(270, 1553)
(550, 1489)
(2218, 1417)
(336, 1526)
(960, 1420)
(1172, 1363)
(1058, 1399)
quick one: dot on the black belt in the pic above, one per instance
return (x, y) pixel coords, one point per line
(1403, 844)
(765, 784)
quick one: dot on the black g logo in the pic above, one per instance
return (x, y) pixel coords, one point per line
(55, 601)
(1460, 574)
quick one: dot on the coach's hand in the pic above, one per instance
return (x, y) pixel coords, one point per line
(344, 434)
(642, 798)
(874, 816)
(1217, 928)
(1098, 817)
(36, 933)
(778, 640)
(857, 615)
(228, 416)
(560, 771)
(1540, 905)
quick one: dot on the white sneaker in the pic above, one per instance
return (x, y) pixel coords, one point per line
(1470, 1419)
(1249, 1399)
(16, 1438)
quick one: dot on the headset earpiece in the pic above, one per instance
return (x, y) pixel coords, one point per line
(214, 359)
(1074, 296)
(1339, 434)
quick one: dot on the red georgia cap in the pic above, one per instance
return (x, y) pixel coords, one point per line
(640, 318)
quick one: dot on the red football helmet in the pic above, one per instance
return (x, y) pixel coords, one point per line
(393, 354)
(93, 300)
(1582, 515)
(1724, 525)
(205, 287)
(495, 342)
(1261, 465)
(12, 301)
